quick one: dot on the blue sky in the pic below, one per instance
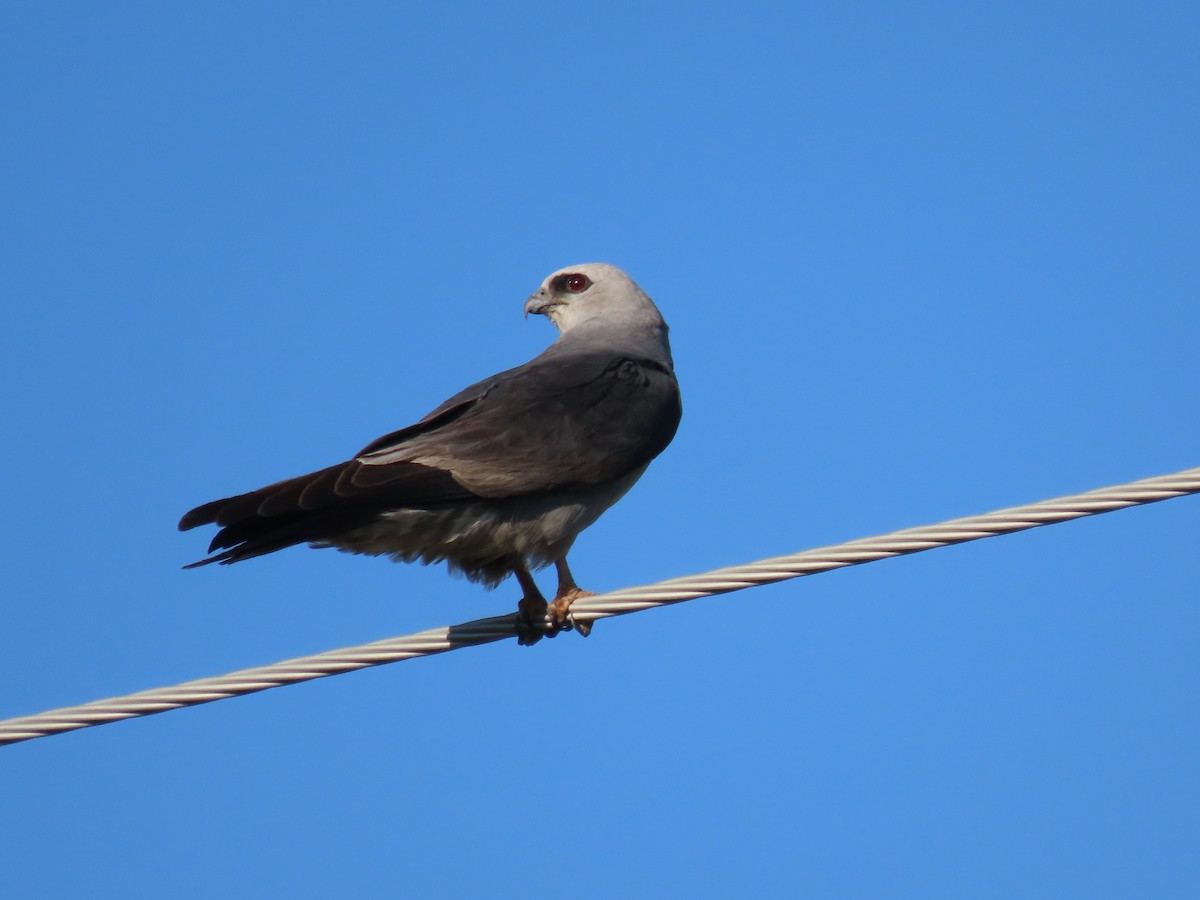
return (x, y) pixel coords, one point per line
(920, 261)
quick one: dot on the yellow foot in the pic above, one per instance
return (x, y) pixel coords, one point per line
(560, 612)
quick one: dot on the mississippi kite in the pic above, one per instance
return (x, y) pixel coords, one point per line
(502, 477)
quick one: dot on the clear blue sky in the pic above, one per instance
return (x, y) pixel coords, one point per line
(919, 260)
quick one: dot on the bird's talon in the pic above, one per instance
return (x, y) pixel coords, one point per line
(531, 618)
(560, 612)
(569, 623)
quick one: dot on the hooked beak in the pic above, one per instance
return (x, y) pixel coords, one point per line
(540, 303)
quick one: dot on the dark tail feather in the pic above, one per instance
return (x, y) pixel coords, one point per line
(257, 537)
(316, 506)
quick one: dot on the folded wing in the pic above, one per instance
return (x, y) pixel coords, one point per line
(550, 425)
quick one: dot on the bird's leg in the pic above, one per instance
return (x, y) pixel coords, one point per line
(568, 593)
(531, 610)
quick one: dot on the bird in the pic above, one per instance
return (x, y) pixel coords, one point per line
(501, 478)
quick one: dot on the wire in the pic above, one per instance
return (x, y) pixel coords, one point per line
(617, 603)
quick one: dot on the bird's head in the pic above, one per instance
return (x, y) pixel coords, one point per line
(594, 293)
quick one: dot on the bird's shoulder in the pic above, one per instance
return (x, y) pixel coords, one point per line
(565, 386)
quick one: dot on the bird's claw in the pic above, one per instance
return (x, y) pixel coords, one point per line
(560, 612)
(531, 621)
(584, 628)
(537, 619)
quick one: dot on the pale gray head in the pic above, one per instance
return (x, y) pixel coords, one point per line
(597, 295)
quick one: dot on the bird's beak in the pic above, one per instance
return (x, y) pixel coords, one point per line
(539, 303)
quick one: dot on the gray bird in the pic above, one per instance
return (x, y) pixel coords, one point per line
(502, 477)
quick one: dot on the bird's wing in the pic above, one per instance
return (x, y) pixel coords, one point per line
(553, 424)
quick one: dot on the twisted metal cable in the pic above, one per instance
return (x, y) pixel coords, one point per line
(616, 603)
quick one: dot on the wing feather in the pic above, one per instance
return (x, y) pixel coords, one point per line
(554, 424)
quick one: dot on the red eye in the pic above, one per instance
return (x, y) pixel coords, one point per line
(576, 283)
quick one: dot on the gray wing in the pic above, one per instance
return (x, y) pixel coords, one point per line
(552, 424)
